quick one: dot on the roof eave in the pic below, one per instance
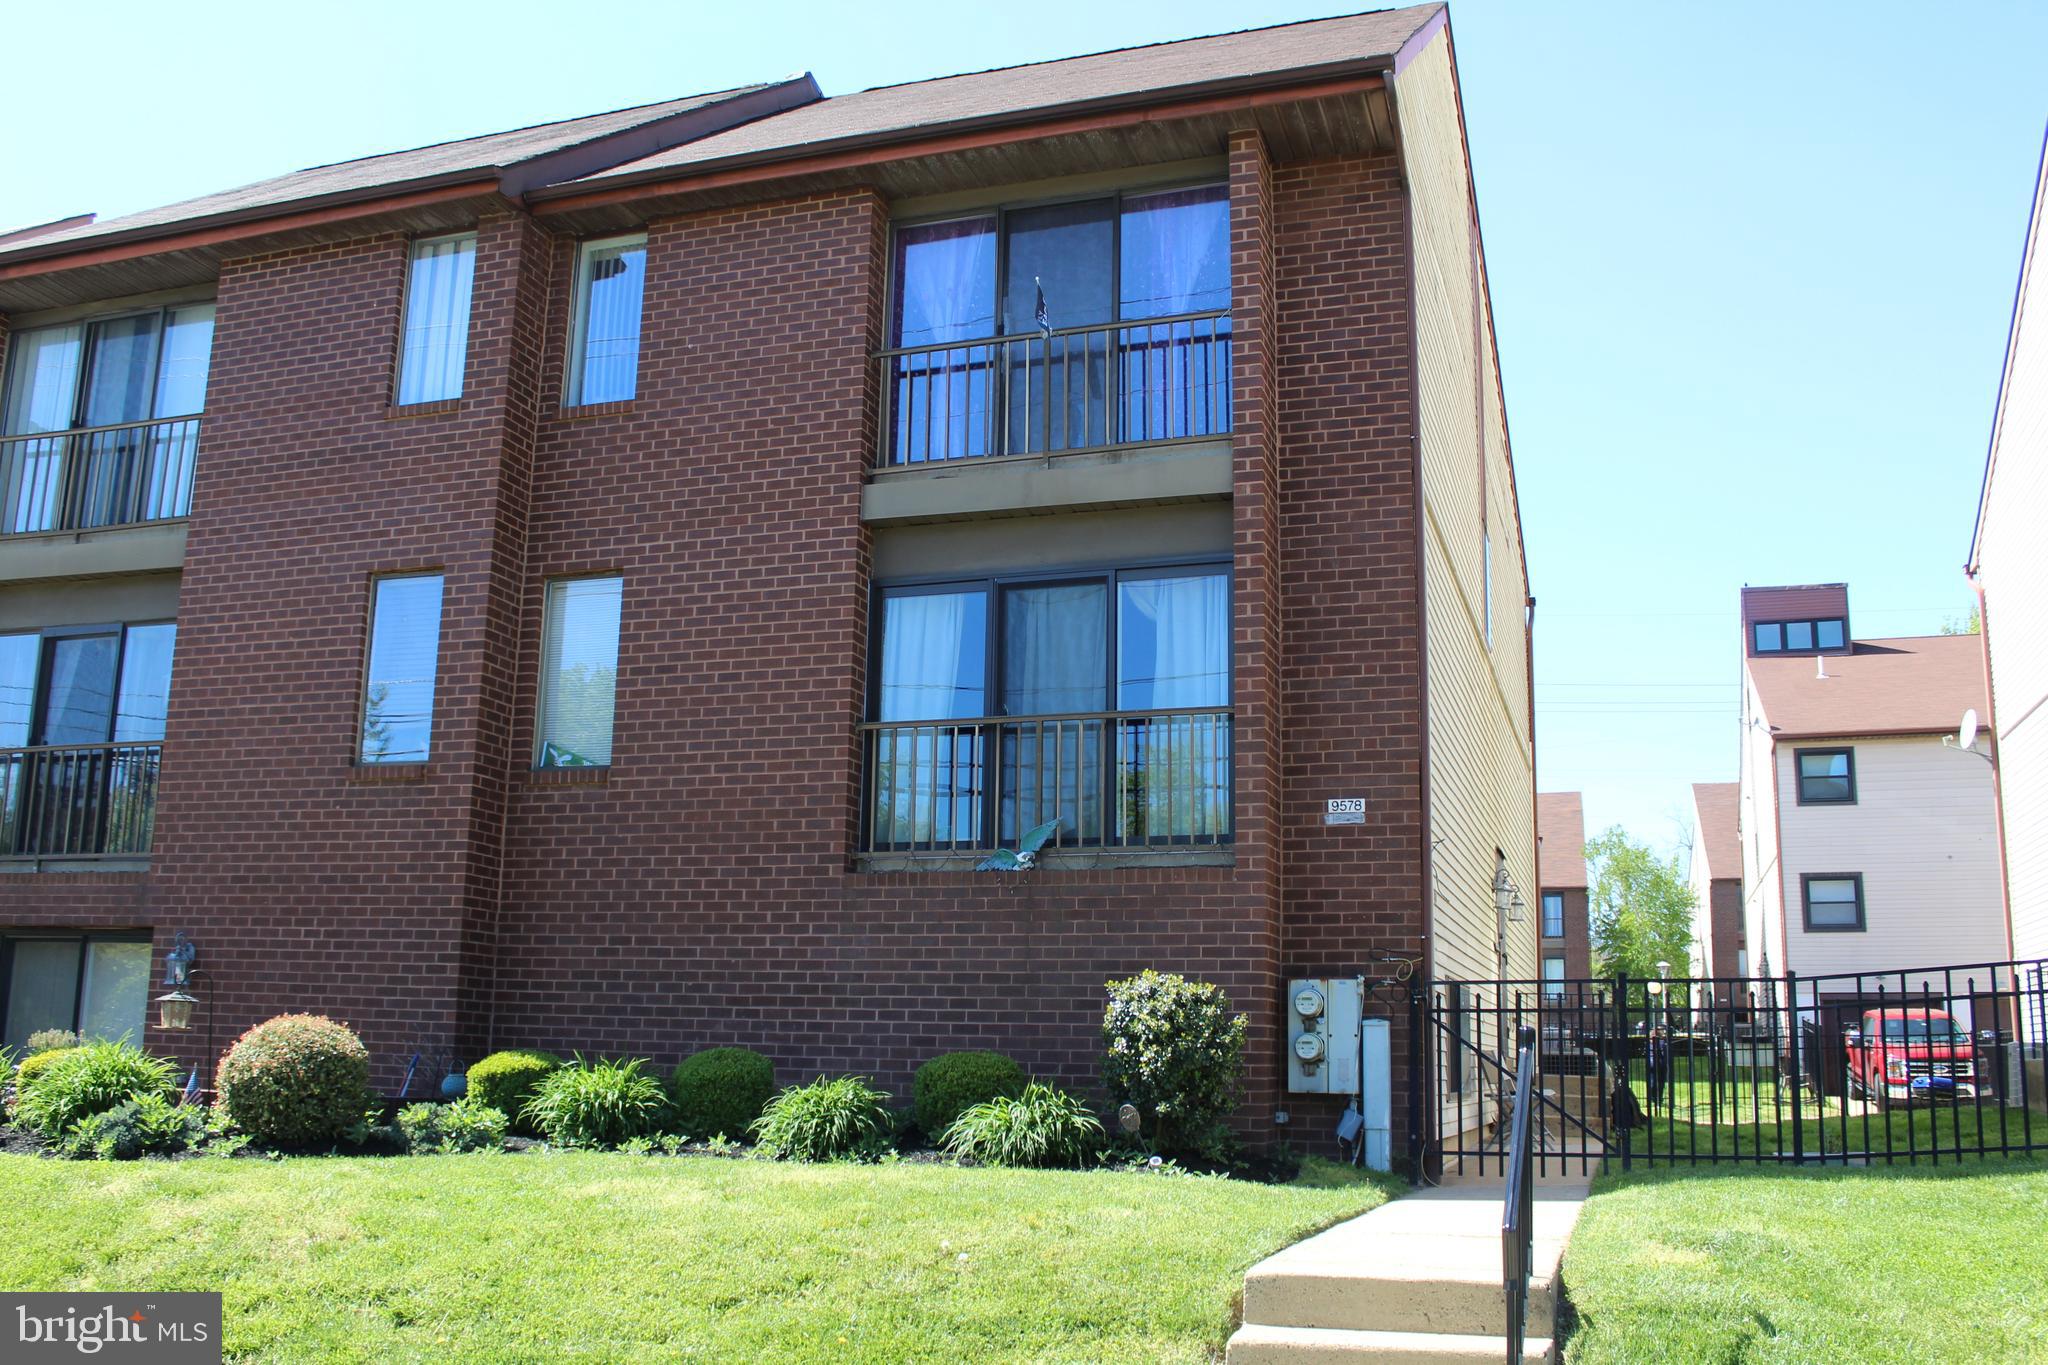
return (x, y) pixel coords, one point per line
(908, 138)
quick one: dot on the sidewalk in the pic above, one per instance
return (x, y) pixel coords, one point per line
(1415, 1280)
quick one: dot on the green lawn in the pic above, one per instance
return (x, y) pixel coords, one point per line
(592, 1256)
(1917, 1264)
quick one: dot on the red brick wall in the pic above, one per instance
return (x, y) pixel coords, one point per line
(703, 891)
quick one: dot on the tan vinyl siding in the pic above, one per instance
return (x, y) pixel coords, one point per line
(1762, 908)
(1480, 753)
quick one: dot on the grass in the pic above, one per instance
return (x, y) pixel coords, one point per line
(1916, 1264)
(594, 1256)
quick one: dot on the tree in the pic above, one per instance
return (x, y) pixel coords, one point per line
(1640, 909)
(1972, 625)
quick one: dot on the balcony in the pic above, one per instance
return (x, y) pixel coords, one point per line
(1101, 387)
(1117, 782)
(93, 477)
(77, 801)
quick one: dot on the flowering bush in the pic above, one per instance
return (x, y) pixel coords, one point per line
(1174, 1050)
(296, 1080)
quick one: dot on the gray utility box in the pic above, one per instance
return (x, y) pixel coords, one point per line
(1325, 1017)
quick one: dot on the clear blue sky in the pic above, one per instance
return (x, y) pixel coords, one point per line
(1752, 264)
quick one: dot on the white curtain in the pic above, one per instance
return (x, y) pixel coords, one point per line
(1053, 640)
(932, 652)
(437, 319)
(1173, 643)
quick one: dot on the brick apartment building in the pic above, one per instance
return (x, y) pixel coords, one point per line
(1719, 949)
(603, 586)
(1563, 932)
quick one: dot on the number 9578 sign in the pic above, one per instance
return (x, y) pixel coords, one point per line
(1345, 810)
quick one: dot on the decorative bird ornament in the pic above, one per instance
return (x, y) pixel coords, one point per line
(1003, 860)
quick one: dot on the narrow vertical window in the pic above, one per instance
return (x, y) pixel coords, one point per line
(436, 345)
(604, 354)
(579, 673)
(398, 689)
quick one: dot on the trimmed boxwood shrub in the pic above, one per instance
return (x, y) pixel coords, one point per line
(953, 1082)
(77, 1082)
(506, 1080)
(1174, 1049)
(296, 1080)
(598, 1104)
(825, 1120)
(722, 1090)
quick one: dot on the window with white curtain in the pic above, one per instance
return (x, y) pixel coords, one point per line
(97, 987)
(438, 283)
(398, 683)
(579, 673)
(604, 347)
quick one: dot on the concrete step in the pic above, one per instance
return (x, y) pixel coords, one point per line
(1431, 1290)
(1259, 1344)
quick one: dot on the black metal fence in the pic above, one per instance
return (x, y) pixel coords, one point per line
(1922, 1064)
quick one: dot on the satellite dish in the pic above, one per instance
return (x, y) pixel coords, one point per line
(1966, 738)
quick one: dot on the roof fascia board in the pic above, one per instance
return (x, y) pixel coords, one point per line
(967, 135)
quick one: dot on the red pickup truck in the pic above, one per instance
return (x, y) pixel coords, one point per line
(1898, 1056)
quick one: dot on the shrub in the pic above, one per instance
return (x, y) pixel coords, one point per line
(1174, 1050)
(1045, 1126)
(32, 1066)
(950, 1084)
(824, 1120)
(467, 1125)
(722, 1090)
(506, 1080)
(597, 1104)
(79, 1082)
(49, 1040)
(150, 1124)
(296, 1080)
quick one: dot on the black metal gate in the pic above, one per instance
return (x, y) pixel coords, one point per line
(1917, 1065)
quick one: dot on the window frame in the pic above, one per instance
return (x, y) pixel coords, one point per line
(88, 349)
(993, 585)
(39, 691)
(1552, 985)
(84, 939)
(1812, 624)
(579, 320)
(1806, 881)
(412, 247)
(540, 691)
(1543, 910)
(363, 680)
(1000, 211)
(1220, 563)
(1799, 757)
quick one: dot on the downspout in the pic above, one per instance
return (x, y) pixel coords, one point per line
(1975, 576)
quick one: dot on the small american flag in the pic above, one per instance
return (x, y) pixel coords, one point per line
(192, 1087)
(1038, 314)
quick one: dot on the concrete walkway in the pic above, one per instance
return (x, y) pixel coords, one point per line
(1416, 1280)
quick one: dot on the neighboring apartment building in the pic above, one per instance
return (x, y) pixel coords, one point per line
(1563, 939)
(605, 586)
(1719, 950)
(1868, 845)
(2009, 563)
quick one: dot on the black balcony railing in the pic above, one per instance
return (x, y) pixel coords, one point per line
(78, 800)
(1112, 780)
(1079, 388)
(97, 476)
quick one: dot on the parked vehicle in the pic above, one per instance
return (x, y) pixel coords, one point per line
(1898, 1056)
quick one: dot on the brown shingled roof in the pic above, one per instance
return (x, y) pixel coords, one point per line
(1561, 831)
(1718, 840)
(480, 158)
(1326, 47)
(1919, 685)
